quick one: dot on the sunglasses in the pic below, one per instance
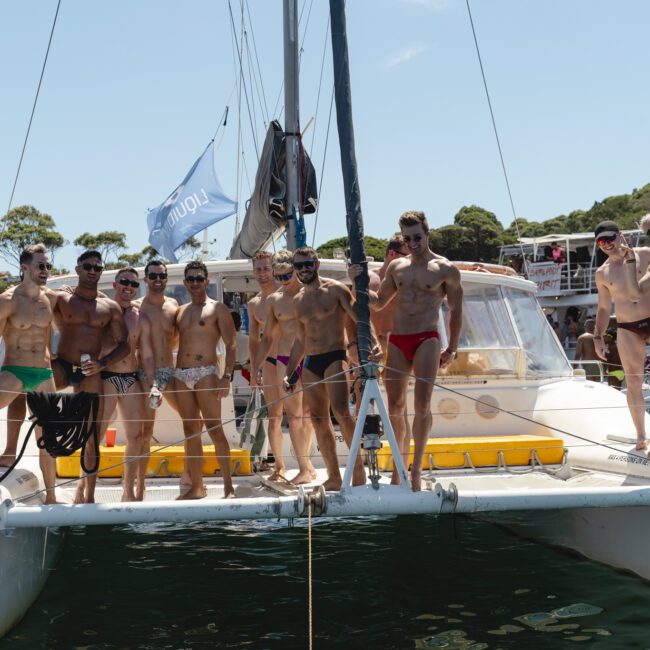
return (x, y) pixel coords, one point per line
(415, 238)
(283, 277)
(310, 264)
(156, 276)
(606, 239)
(44, 265)
(194, 278)
(128, 283)
(98, 268)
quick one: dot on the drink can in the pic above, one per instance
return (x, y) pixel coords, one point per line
(84, 358)
(155, 398)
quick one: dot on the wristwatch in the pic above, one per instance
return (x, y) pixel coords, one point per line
(226, 375)
(454, 353)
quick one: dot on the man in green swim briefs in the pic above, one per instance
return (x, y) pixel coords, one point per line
(26, 313)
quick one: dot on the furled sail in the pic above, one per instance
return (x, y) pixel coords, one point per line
(266, 215)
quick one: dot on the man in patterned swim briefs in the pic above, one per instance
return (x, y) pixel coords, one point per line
(201, 324)
(125, 385)
(26, 313)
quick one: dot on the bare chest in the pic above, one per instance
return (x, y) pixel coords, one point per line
(317, 305)
(162, 318)
(77, 311)
(32, 312)
(418, 280)
(197, 319)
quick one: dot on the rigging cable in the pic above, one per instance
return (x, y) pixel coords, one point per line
(259, 68)
(31, 117)
(496, 133)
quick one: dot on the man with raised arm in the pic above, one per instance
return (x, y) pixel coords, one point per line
(26, 313)
(623, 279)
(321, 307)
(280, 332)
(84, 320)
(161, 311)
(125, 382)
(420, 282)
(272, 388)
(201, 324)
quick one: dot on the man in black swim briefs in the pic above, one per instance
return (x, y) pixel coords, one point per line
(321, 307)
(623, 278)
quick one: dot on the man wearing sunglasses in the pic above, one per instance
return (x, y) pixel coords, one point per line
(85, 320)
(201, 324)
(161, 311)
(272, 388)
(280, 333)
(420, 282)
(26, 313)
(617, 279)
(125, 384)
(321, 308)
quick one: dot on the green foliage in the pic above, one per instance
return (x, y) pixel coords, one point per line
(375, 248)
(23, 226)
(484, 230)
(109, 243)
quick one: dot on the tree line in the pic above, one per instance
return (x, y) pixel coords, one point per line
(476, 234)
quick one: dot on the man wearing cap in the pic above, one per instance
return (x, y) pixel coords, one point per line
(617, 280)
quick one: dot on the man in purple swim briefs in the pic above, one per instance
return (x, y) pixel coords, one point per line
(280, 333)
(623, 279)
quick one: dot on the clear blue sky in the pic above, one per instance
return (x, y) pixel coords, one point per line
(134, 90)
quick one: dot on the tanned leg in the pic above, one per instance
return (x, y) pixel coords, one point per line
(425, 369)
(632, 350)
(16, 412)
(396, 379)
(191, 417)
(272, 394)
(131, 408)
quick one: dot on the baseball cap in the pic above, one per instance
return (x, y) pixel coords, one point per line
(607, 228)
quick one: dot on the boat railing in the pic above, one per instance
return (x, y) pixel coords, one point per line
(564, 279)
(595, 369)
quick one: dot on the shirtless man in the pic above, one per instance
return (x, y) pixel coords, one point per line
(618, 280)
(84, 320)
(420, 282)
(201, 324)
(26, 313)
(321, 307)
(124, 382)
(161, 311)
(272, 388)
(586, 350)
(280, 332)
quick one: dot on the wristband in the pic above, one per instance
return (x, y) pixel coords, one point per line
(632, 260)
(598, 338)
(294, 377)
(226, 375)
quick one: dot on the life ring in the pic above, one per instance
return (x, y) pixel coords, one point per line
(482, 267)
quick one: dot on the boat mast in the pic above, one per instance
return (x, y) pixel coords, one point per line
(349, 168)
(291, 118)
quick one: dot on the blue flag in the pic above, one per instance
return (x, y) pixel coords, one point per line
(195, 204)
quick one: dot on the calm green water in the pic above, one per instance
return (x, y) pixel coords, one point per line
(408, 582)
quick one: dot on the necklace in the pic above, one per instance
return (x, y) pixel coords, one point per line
(84, 298)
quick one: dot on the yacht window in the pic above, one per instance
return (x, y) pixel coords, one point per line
(544, 354)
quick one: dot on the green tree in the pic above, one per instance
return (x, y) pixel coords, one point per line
(453, 242)
(375, 248)
(23, 226)
(486, 231)
(109, 243)
(188, 251)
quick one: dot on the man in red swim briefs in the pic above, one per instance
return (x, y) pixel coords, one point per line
(623, 279)
(420, 281)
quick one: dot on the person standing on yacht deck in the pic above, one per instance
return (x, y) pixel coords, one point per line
(280, 332)
(586, 350)
(321, 307)
(201, 324)
(272, 388)
(161, 311)
(84, 320)
(26, 313)
(620, 279)
(420, 282)
(124, 382)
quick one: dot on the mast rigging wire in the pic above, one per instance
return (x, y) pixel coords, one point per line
(31, 117)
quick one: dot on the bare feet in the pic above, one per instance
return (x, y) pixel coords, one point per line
(80, 494)
(333, 484)
(416, 481)
(641, 444)
(128, 497)
(229, 494)
(193, 493)
(6, 460)
(359, 476)
(51, 500)
(278, 475)
(301, 478)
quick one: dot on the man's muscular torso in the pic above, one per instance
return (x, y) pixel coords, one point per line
(199, 333)
(162, 319)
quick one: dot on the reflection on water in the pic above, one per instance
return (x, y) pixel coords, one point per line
(408, 582)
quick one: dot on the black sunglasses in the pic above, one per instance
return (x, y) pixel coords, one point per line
(86, 266)
(606, 239)
(414, 238)
(310, 264)
(283, 277)
(128, 283)
(155, 276)
(194, 278)
(44, 265)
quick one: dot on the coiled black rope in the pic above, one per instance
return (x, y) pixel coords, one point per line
(67, 421)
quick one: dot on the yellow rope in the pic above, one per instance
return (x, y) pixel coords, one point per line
(309, 570)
